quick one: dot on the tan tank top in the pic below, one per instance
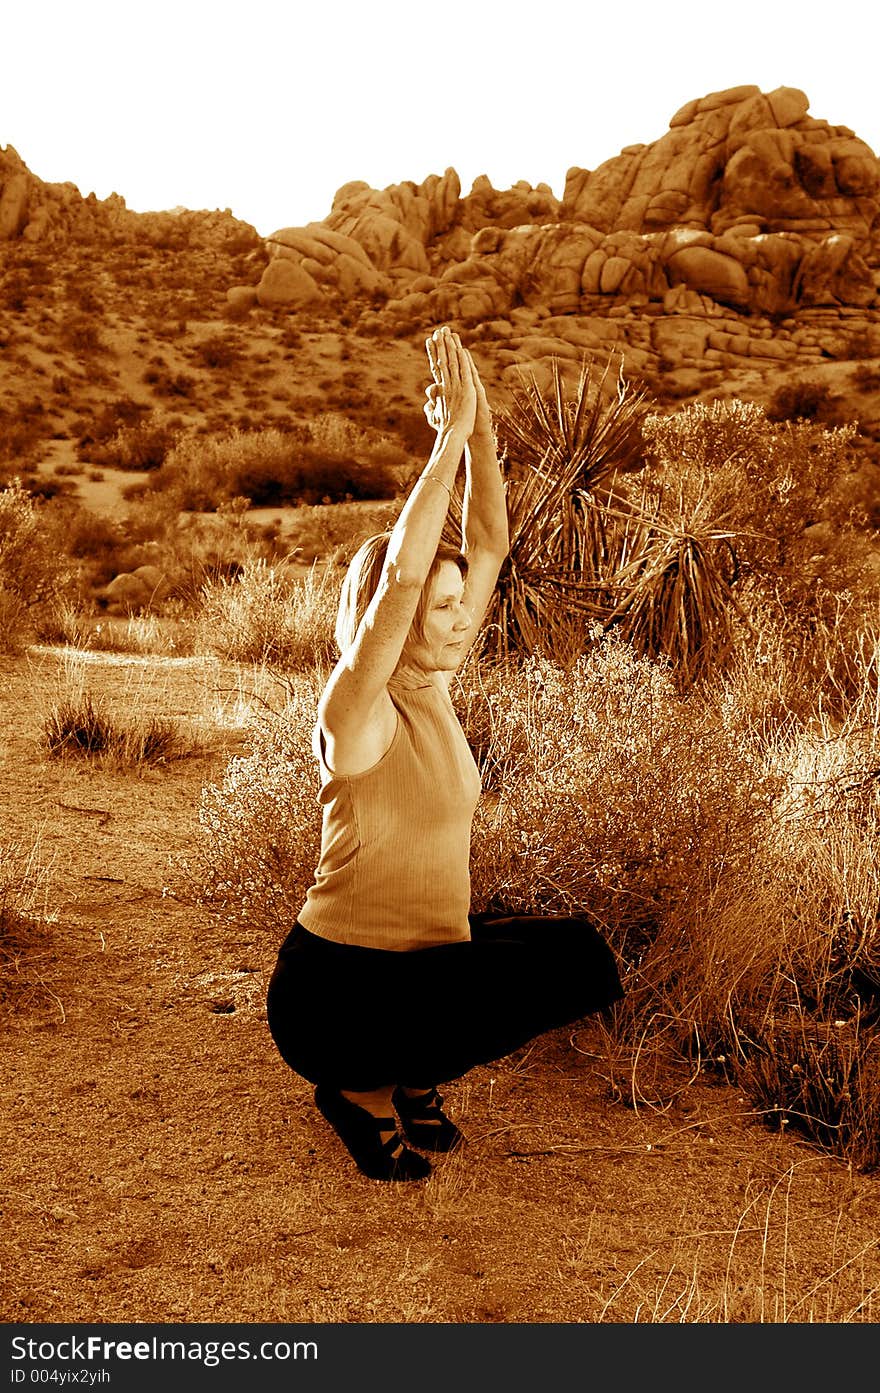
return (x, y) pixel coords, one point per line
(394, 870)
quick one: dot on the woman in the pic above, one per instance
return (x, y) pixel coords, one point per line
(387, 986)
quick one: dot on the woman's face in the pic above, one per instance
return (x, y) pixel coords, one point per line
(446, 624)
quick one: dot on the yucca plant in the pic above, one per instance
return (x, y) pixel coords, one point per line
(658, 564)
(585, 438)
(674, 582)
(562, 450)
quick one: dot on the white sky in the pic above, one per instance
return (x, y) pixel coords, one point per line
(267, 109)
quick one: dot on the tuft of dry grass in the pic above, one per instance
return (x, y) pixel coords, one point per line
(79, 724)
(24, 927)
(758, 1281)
(266, 615)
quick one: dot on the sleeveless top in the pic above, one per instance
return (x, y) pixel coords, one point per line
(394, 869)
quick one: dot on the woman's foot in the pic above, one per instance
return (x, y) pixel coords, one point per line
(423, 1121)
(372, 1140)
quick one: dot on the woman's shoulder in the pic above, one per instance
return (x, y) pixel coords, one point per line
(348, 738)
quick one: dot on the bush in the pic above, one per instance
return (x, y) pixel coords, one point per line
(261, 824)
(108, 421)
(805, 401)
(612, 790)
(218, 351)
(80, 334)
(35, 575)
(143, 445)
(767, 484)
(265, 616)
(329, 460)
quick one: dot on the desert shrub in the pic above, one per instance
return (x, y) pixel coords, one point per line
(15, 291)
(199, 550)
(794, 1009)
(218, 351)
(328, 460)
(264, 615)
(773, 480)
(35, 574)
(165, 382)
(16, 630)
(261, 824)
(765, 484)
(866, 377)
(106, 422)
(100, 546)
(143, 445)
(81, 334)
(334, 533)
(21, 437)
(805, 401)
(611, 789)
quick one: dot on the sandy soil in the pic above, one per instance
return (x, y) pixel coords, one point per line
(161, 1163)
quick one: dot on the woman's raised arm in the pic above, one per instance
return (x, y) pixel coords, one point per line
(356, 693)
(485, 534)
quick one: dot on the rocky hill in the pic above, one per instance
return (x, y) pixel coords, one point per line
(748, 234)
(739, 253)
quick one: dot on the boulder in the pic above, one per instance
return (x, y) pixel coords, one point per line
(135, 592)
(14, 199)
(125, 594)
(710, 273)
(241, 297)
(285, 283)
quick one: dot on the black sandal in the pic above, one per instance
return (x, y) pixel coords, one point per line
(362, 1134)
(423, 1121)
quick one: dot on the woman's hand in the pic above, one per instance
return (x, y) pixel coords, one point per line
(483, 416)
(452, 396)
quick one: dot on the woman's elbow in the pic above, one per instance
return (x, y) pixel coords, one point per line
(404, 578)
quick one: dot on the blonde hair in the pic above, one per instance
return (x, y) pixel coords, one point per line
(362, 581)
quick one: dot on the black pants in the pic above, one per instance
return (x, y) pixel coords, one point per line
(365, 1018)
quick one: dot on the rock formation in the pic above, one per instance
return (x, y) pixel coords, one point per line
(747, 222)
(39, 213)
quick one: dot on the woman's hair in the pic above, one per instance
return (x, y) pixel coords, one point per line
(362, 581)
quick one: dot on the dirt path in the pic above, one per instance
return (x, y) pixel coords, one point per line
(160, 1163)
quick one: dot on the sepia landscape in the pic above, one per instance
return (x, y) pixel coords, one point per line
(675, 707)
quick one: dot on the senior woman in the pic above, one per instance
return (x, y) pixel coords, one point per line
(387, 985)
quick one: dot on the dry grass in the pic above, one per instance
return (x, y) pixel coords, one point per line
(144, 634)
(25, 886)
(78, 723)
(268, 615)
(758, 1280)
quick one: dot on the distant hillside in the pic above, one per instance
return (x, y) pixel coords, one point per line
(738, 254)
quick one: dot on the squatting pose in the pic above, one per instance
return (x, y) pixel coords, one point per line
(388, 985)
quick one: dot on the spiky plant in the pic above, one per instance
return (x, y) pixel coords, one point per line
(587, 437)
(562, 450)
(674, 583)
